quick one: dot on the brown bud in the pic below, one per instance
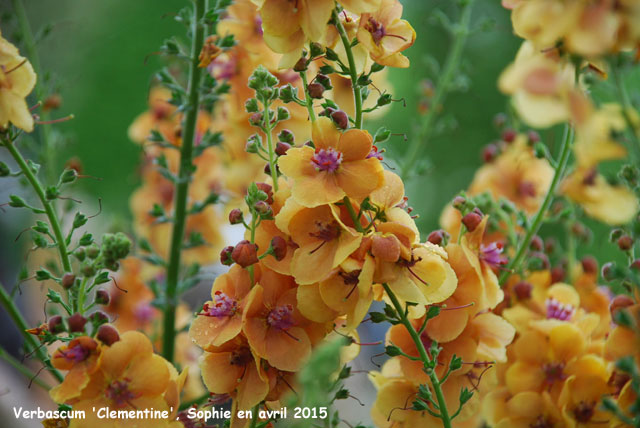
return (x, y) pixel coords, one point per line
(266, 188)
(509, 135)
(437, 236)
(267, 169)
(557, 274)
(489, 152)
(341, 119)
(537, 244)
(52, 102)
(98, 318)
(102, 297)
(235, 216)
(107, 334)
(245, 253)
(589, 264)
(625, 242)
(472, 220)
(522, 290)
(68, 279)
(76, 323)
(282, 148)
(458, 202)
(262, 208)
(301, 65)
(225, 256)
(620, 302)
(635, 265)
(255, 119)
(533, 137)
(316, 90)
(55, 324)
(607, 271)
(279, 246)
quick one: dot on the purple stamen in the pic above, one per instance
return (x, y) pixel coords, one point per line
(492, 254)
(281, 317)
(326, 160)
(558, 311)
(223, 306)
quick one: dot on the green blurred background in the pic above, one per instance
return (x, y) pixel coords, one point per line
(101, 57)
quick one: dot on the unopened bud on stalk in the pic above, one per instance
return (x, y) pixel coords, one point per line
(282, 148)
(438, 237)
(509, 135)
(55, 324)
(472, 220)
(619, 302)
(279, 246)
(262, 208)
(102, 297)
(268, 189)
(522, 290)
(340, 118)
(68, 279)
(557, 274)
(625, 242)
(225, 256)
(107, 334)
(245, 253)
(316, 90)
(589, 264)
(76, 323)
(235, 216)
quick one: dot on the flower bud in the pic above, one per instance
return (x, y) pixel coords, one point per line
(459, 202)
(557, 274)
(88, 270)
(324, 80)
(245, 253)
(522, 290)
(472, 220)
(316, 90)
(341, 119)
(589, 264)
(76, 323)
(267, 169)
(438, 236)
(107, 334)
(625, 242)
(68, 279)
(268, 189)
(635, 265)
(279, 246)
(509, 135)
(262, 208)
(285, 136)
(93, 251)
(608, 271)
(619, 303)
(256, 119)
(56, 325)
(235, 216)
(533, 137)
(225, 256)
(282, 148)
(537, 244)
(102, 297)
(489, 152)
(98, 318)
(301, 65)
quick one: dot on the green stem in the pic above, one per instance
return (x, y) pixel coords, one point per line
(32, 53)
(352, 213)
(33, 377)
(46, 204)
(424, 356)
(307, 99)
(268, 130)
(626, 107)
(32, 343)
(452, 64)
(182, 186)
(357, 93)
(255, 418)
(565, 150)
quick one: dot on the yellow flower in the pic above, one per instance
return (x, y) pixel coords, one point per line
(385, 35)
(17, 80)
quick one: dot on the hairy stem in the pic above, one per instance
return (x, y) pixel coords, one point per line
(182, 185)
(565, 150)
(452, 64)
(307, 99)
(268, 130)
(357, 92)
(424, 356)
(32, 343)
(33, 377)
(46, 204)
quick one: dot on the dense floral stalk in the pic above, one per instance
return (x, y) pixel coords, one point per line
(444, 83)
(33, 345)
(182, 185)
(565, 151)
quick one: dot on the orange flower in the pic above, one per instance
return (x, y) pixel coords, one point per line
(235, 369)
(385, 35)
(339, 166)
(81, 358)
(274, 327)
(161, 117)
(221, 318)
(17, 80)
(323, 240)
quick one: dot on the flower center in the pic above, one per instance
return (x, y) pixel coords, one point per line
(326, 160)
(527, 189)
(374, 153)
(281, 317)
(376, 29)
(584, 412)
(554, 372)
(223, 306)
(241, 357)
(118, 392)
(492, 254)
(143, 312)
(76, 353)
(559, 311)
